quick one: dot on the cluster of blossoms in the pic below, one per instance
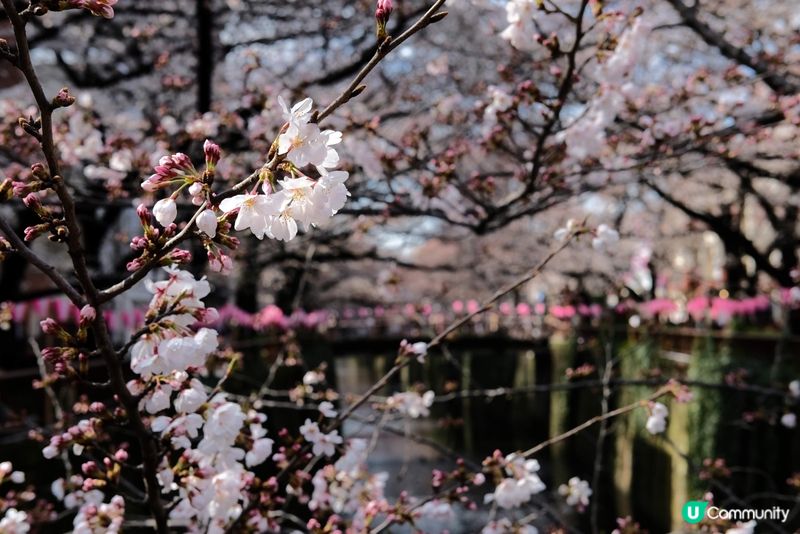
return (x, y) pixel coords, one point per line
(212, 440)
(101, 517)
(411, 403)
(516, 480)
(322, 444)
(178, 170)
(172, 345)
(14, 521)
(208, 443)
(346, 487)
(297, 198)
(586, 137)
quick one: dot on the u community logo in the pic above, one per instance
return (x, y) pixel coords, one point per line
(695, 511)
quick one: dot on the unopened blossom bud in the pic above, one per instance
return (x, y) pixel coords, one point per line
(32, 201)
(165, 211)
(51, 354)
(173, 167)
(135, 265)
(63, 99)
(138, 243)
(50, 326)
(39, 171)
(177, 256)
(32, 232)
(212, 153)
(89, 468)
(21, 189)
(229, 241)
(382, 12)
(88, 314)
(207, 223)
(98, 8)
(144, 214)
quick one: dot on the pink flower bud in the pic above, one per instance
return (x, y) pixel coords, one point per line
(178, 256)
(383, 9)
(139, 243)
(135, 265)
(63, 99)
(32, 232)
(212, 153)
(98, 8)
(88, 468)
(21, 189)
(50, 326)
(382, 12)
(88, 313)
(144, 214)
(32, 201)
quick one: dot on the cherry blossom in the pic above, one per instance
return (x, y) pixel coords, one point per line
(255, 211)
(576, 492)
(520, 484)
(299, 113)
(326, 409)
(418, 350)
(521, 29)
(657, 421)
